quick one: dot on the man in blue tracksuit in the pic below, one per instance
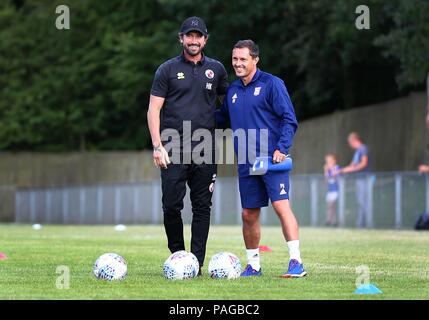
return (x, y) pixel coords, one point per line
(259, 101)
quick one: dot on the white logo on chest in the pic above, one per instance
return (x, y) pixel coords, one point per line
(234, 97)
(257, 91)
(209, 85)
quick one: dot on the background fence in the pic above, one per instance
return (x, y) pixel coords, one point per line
(395, 201)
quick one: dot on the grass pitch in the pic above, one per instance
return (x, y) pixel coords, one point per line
(398, 262)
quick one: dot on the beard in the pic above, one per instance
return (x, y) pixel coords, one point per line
(190, 52)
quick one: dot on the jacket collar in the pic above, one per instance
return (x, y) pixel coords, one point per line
(201, 62)
(254, 79)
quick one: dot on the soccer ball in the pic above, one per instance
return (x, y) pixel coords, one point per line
(110, 266)
(225, 265)
(181, 265)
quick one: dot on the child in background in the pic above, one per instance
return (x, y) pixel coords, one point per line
(330, 170)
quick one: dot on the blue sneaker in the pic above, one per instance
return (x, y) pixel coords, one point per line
(249, 272)
(296, 270)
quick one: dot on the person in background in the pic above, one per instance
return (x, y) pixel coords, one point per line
(330, 171)
(360, 168)
(424, 168)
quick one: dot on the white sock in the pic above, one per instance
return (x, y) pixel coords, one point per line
(294, 250)
(253, 258)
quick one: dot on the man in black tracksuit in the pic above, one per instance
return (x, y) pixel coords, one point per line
(184, 91)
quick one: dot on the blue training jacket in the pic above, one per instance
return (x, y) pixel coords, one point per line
(263, 104)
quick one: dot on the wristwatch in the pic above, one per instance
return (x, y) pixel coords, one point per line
(157, 148)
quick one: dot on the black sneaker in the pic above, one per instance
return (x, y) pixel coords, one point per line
(199, 273)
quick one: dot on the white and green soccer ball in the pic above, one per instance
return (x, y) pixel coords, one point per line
(181, 265)
(225, 265)
(110, 267)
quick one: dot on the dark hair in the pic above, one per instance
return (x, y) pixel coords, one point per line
(249, 44)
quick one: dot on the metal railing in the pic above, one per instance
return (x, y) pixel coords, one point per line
(394, 200)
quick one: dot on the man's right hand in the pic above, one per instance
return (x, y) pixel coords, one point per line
(160, 157)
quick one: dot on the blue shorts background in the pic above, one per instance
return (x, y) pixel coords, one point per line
(255, 191)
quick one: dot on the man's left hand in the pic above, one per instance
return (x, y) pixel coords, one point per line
(278, 156)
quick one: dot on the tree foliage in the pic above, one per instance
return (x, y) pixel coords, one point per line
(88, 87)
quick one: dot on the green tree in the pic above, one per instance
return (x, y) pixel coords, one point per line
(408, 41)
(87, 88)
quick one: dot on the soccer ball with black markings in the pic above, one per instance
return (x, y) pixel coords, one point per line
(181, 265)
(110, 267)
(225, 265)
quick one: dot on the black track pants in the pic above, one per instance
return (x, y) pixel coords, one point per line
(200, 178)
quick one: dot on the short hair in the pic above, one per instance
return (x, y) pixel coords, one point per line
(249, 44)
(354, 135)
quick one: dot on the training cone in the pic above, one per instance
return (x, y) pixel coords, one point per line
(2, 256)
(367, 289)
(265, 249)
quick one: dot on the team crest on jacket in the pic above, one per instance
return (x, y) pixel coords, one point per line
(210, 74)
(257, 91)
